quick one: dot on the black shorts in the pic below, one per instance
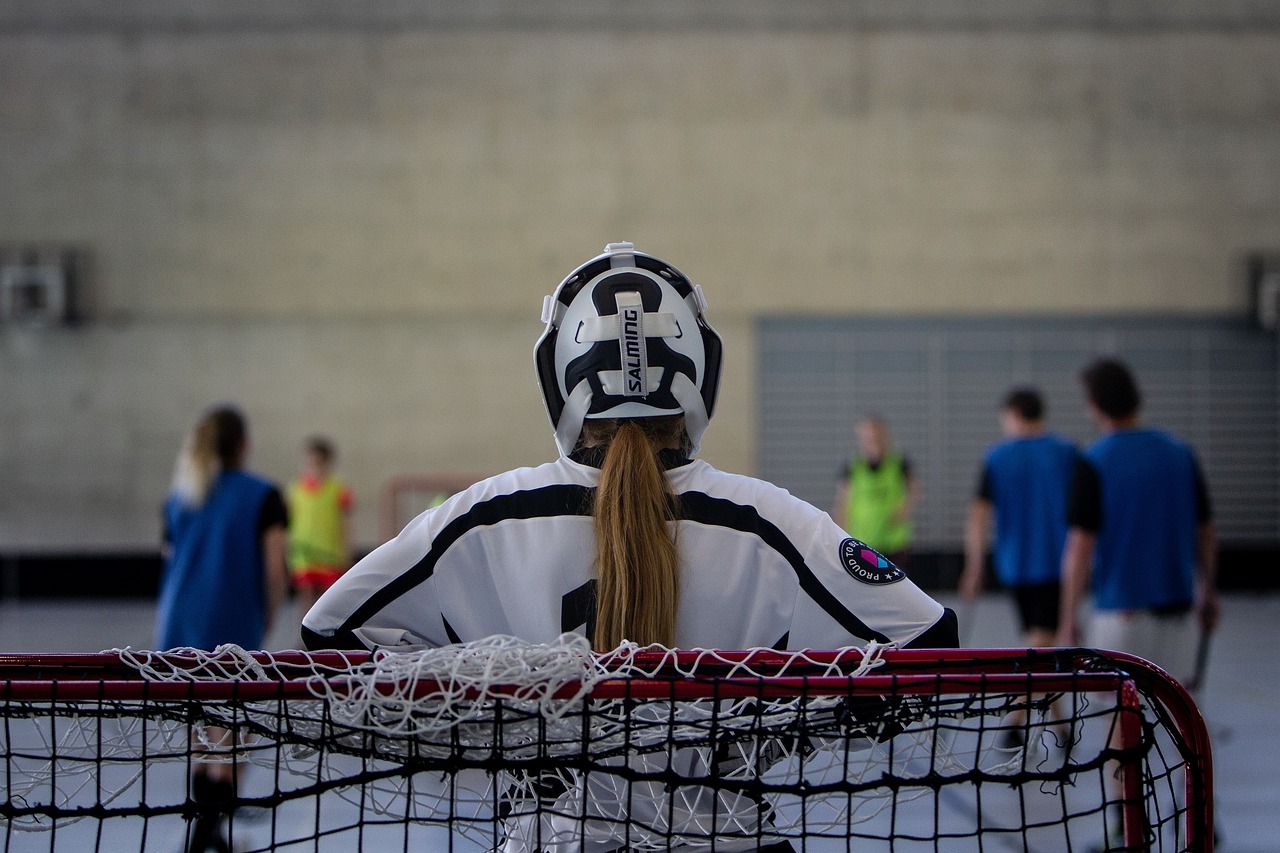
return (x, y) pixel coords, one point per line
(1038, 605)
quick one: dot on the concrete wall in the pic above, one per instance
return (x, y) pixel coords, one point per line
(346, 218)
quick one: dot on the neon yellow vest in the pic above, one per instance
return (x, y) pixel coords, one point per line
(315, 526)
(874, 495)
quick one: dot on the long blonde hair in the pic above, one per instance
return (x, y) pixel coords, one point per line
(635, 510)
(215, 444)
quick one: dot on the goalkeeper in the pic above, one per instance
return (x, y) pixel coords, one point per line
(627, 535)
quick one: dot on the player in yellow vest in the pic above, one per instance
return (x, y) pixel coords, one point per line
(319, 534)
(877, 494)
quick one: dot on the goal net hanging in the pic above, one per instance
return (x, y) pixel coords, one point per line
(504, 745)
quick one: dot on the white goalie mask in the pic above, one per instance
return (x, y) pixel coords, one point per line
(626, 337)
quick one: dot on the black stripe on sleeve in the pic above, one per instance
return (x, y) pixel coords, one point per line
(704, 509)
(943, 634)
(546, 502)
(341, 641)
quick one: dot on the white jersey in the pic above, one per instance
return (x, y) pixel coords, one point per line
(515, 554)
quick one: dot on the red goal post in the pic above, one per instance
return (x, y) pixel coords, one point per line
(502, 744)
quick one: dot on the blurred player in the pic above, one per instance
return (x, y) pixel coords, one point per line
(224, 542)
(877, 493)
(320, 525)
(1141, 534)
(1026, 480)
(224, 574)
(1142, 537)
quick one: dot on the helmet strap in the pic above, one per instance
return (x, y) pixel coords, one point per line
(571, 418)
(695, 410)
(631, 344)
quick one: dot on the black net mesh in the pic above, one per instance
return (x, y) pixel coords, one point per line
(969, 750)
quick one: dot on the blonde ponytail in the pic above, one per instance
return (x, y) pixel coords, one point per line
(639, 575)
(215, 443)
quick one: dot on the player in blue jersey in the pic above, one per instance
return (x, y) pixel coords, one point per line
(1142, 537)
(224, 542)
(224, 574)
(1026, 479)
(1141, 534)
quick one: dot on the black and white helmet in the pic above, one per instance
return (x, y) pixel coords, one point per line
(626, 337)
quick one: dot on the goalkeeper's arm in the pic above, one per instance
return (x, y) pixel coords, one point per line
(943, 634)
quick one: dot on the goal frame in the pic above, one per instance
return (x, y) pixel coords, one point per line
(699, 674)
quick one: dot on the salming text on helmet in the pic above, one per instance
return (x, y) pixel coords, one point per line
(626, 337)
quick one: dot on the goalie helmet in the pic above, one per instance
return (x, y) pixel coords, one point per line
(626, 337)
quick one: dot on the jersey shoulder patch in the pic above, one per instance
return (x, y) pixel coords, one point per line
(865, 564)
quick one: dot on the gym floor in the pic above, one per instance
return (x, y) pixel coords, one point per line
(1241, 698)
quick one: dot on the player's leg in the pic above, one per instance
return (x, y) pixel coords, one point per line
(1176, 637)
(309, 585)
(307, 596)
(1038, 612)
(213, 789)
(1133, 632)
(1037, 608)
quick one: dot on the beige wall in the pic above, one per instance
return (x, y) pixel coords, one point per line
(350, 227)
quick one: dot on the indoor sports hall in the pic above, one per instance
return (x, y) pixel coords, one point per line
(311, 240)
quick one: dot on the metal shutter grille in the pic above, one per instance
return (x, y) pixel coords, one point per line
(938, 382)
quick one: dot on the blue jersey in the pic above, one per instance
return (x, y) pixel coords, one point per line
(1144, 496)
(1027, 481)
(212, 590)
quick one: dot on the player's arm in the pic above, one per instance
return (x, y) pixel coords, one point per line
(1207, 604)
(387, 599)
(1077, 565)
(913, 496)
(274, 545)
(943, 634)
(273, 534)
(346, 503)
(840, 508)
(850, 594)
(1084, 518)
(166, 535)
(976, 528)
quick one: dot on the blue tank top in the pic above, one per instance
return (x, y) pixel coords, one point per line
(1146, 555)
(212, 590)
(1028, 483)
